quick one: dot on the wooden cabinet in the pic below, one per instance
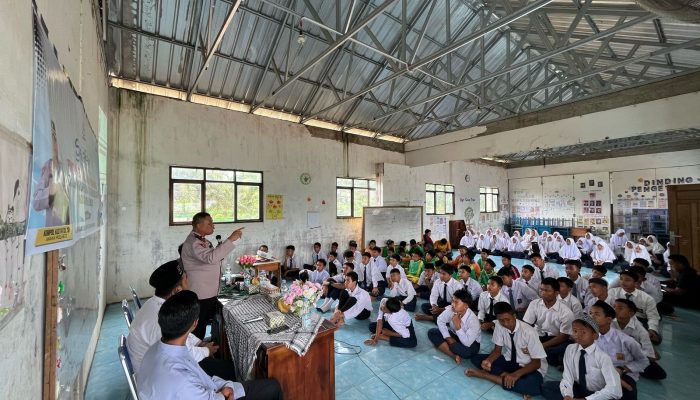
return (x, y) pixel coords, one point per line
(457, 229)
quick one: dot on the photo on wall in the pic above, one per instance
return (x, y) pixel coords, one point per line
(591, 182)
(582, 185)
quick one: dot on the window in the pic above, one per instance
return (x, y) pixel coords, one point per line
(488, 199)
(228, 195)
(439, 199)
(354, 194)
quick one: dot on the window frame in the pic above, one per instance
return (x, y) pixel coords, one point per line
(434, 194)
(352, 195)
(203, 192)
(484, 191)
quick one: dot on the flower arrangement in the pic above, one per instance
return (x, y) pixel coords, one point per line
(246, 261)
(302, 296)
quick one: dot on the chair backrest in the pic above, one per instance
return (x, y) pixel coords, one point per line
(127, 367)
(137, 300)
(128, 316)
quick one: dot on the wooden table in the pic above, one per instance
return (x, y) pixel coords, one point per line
(270, 266)
(301, 378)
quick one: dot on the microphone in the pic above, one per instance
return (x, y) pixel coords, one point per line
(218, 240)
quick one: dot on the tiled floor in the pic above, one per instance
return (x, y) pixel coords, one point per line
(384, 372)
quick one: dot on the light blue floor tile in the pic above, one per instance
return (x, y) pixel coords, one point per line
(352, 394)
(498, 393)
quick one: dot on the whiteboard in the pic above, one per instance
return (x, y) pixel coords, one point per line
(395, 223)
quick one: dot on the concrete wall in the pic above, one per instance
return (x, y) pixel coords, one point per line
(150, 133)
(676, 112)
(72, 29)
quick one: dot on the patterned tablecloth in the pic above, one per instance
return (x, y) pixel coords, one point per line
(245, 338)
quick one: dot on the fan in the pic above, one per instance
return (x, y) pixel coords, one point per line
(679, 10)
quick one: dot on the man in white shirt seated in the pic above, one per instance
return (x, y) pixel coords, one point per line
(169, 279)
(518, 293)
(440, 295)
(402, 288)
(168, 370)
(647, 313)
(393, 325)
(353, 302)
(458, 333)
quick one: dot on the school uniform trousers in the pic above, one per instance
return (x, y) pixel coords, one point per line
(529, 384)
(411, 305)
(397, 341)
(346, 302)
(458, 348)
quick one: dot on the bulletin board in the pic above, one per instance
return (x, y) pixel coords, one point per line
(525, 197)
(558, 196)
(592, 201)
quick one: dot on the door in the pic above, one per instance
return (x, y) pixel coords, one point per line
(684, 221)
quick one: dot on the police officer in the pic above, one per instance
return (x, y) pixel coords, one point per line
(202, 263)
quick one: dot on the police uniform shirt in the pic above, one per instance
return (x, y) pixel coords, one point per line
(601, 377)
(646, 306)
(399, 321)
(403, 288)
(624, 351)
(522, 294)
(469, 330)
(571, 302)
(438, 290)
(636, 331)
(527, 345)
(472, 287)
(202, 263)
(549, 321)
(485, 303)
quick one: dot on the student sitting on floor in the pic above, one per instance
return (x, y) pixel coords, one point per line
(518, 360)
(350, 257)
(647, 313)
(168, 370)
(626, 321)
(352, 247)
(598, 271)
(487, 300)
(626, 354)
(526, 277)
(393, 325)
(597, 290)
(290, 267)
(353, 302)
(316, 254)
(443, 245)
(334, 265)
(374, 278)
(484, 255)
(372, 244)
(588, 370)
(573, 272)
(542, 270)
(426, 281)
(488, 272)
(333, 286)
(415, 267)
(515, 248)
(378, 262)
(394, 263)
(506, 260)
(684, 289)
(566, 296)
(471, 285)
(602, 255)
(457, 334)
(320, 274)
(401, 288)
(440, 295)
(552, 319)
(519, 294)
(459, 260)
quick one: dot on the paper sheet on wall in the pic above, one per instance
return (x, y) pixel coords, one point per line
(313, 219)
(274, 206)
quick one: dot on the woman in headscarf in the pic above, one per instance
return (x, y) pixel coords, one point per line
(617, 241)
(656, 250)
(542, 242)
(515, 248)
(482, 243)
(602, 255)
(495, 245)
(629, 247)
(552, 249)
(504, 241)
(584, 247)
(569, 251)
(592, 239)
(468, 240)
(638, 251)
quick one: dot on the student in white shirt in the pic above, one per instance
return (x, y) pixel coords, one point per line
(573, 271)
(542, 270)
(626, 321)
(487, 302)
(290, 265)
(333, 286)
(169, 279)
(626, 354)
(566, 295)
(426, 281)
(552, 319)
(374, 278)
(458, 334)
(320, 274)
(471, 285)
(316, 254)
(526, 274)
(518, 361)
(401, 288)
(363, 271)
(647, 313)
(393, 325)
(519, 294)
(334, 265)
(349, 257)
(353, 302)
(597, 290)
(395, 263)
(440, 295)
(352, 247)
(588, 370)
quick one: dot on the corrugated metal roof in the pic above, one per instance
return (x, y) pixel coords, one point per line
(393, 76)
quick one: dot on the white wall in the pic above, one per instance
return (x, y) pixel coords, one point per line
(150, 133)
(676, 112)
(72, 30)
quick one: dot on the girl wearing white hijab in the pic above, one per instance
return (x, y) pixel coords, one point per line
(482, 243)
(618, 240)
(592, 239)
(602, 255)
(504, 240)
(585, 248)
(515, 248)
(656, 250)
(638, 251)
(468, 240)
(495, 245)
(666, 268)
(542, 241)
(629, 247)
(527, 235)
(551, 249)
(569, 251)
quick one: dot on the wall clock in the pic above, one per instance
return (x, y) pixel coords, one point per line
(467, 178)
(305, 178)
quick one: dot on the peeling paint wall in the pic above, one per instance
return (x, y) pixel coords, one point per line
(72, 30)
(149, 133)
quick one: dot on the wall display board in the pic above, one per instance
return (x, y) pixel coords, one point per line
(592, 194)
(558, 197)
(525, 197)
(382, 223)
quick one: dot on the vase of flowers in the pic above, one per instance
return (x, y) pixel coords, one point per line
(301, 297)
(246, 263)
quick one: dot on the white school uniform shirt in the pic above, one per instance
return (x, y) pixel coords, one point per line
(379, 263)
(572, 302)
(601, 377)
(650, 286)
(364, 302)
(472, 287)
(467, 240)
(338, 278)
(399, 267)
(552, 321)
(529, 284)
(646, 306)
(438, 290)
(469, 330)
(636, 331)
(624, 351)
(145, 331)
(361, 269)
(421, 279)
(374, 275)
(485, 303)
(522, 294)
(590, 300)
(403, 288)
(399, 321)
(357, 255)
(319, 277)
(337, 263)
(580, 288)
(527, 345)
(547, 272)
(318, 256)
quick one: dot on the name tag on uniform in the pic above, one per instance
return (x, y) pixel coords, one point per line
(620, 356)
(525, 350)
